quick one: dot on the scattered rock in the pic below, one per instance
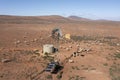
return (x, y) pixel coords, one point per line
(70, 61)
(77, 54)
(117, 51)
(83, 50)
(78, 45)
(61, 47)
(24, 36)
(64, 47)
(67, 49)
(6, 60)
(100, 44)
(41, 38)
(80, 50)
(118, 44)
(82, 55)
(70, 46)
(88, 49)
(17, 42)
(25, 41)
(35, 39)
(36, 51)
(74, 54)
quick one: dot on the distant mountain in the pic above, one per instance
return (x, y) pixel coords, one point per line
(106, 20)
(9, 19)
(78, 18)
(33, 19)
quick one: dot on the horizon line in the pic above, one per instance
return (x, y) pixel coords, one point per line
(55, 15)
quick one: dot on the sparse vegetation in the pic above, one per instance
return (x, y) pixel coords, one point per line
(22, 40)
(59, 76)
(105, 64)
(93, 69)
(117, 55)
(36, 52)
(114, 71)
(75, 68)
(83, 38)
(49, 77)
(82, 65)
(110, 37)
(86, 68)
(76, 77)
(71, 78)
(49, 58)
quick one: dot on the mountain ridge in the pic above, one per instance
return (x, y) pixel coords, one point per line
(46, 19)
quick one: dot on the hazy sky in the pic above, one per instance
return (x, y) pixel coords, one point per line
(94, 9)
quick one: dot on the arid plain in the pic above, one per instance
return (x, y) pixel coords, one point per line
(22, 39)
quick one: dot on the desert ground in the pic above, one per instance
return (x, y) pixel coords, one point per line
(21, 46)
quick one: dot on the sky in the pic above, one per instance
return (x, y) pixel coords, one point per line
(93, 9)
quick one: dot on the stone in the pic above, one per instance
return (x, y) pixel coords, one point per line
(61, 47)
(80, 50)
(118, 44)
(18, 41)
(35, 39)
(25, 41)
(67, 49)
(117, 51)
(70, 61)
(78, 45)
(70, 46)
(6, 60)
(36, 51)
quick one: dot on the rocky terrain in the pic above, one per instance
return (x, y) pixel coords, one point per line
(96, 41)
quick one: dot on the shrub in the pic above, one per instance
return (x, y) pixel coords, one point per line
(105, 64)
(49, 76)
(117, 55)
